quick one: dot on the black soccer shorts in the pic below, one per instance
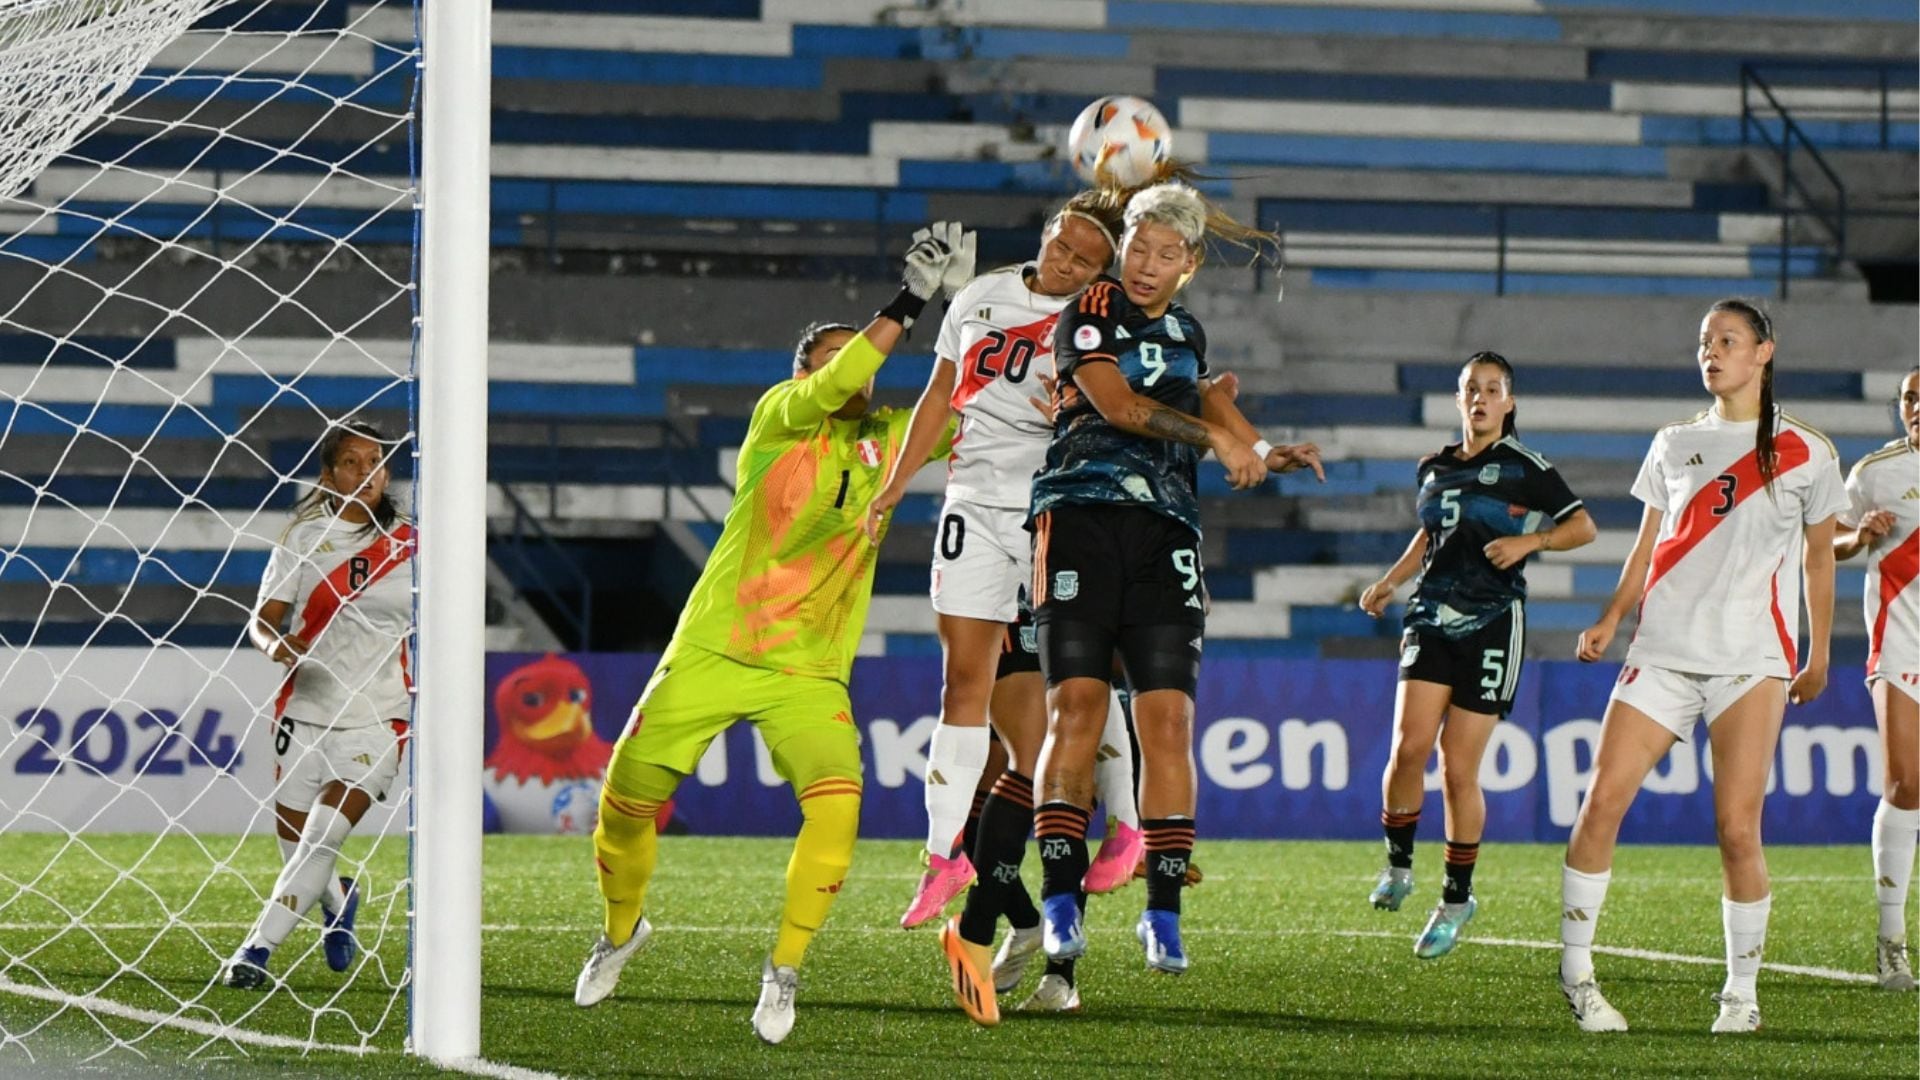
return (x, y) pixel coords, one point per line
(1110, 578)
(1483, 667)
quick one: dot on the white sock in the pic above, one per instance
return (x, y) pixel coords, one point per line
(1746, 926)
(1113, 767)
(304, 878)
(1581, 895)
(954, 763)
(332, 900)
(1893, 842)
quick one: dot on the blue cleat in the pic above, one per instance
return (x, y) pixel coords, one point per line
(1159, 934)
(1062, 938)
(1393, 887)
(248, 969)
(338, 939)
(1443, 929)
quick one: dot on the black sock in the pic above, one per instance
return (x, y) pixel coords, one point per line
(1020, 913)
(1005, 822)
(970, 835)
(1399, 829)
(1460, 860)
(1061, 828)
(1169, 850)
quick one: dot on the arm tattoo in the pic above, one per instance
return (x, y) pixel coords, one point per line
(1174, 426)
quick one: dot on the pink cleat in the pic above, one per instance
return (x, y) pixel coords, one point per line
(944, 880)
(1119, 853)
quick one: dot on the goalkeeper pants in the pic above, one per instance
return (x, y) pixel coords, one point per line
(808, 728)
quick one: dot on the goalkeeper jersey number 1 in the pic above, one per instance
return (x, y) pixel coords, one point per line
(787, 584)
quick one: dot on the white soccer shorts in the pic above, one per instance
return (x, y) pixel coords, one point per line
(982, 555)
(1907, 682)
(1676, 699)
(308, 757)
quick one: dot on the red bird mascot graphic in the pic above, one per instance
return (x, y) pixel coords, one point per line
(544, 774)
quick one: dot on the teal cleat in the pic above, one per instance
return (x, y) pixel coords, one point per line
(1443, 929)
(1394, 886)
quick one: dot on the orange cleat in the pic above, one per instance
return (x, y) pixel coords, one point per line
(972, 967)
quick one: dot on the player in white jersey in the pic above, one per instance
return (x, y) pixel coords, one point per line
(342, 571)
(1739, 501)
(994, 351)
(1883, 519)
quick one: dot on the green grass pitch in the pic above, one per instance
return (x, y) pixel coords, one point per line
(1293, 973)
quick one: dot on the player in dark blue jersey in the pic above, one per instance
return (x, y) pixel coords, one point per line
(1116, 558)
(1486, 504)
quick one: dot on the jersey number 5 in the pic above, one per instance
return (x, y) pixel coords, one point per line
(1729, 488)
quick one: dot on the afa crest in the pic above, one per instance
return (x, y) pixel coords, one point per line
(1490, 474)
(1066, 584)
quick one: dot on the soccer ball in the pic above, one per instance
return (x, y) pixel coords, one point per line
(1119, 140)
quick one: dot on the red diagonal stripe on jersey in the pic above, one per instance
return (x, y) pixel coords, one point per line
(1898, 568)
(336, 590)
(1698, 520)
(1788, 648)
(972, 379)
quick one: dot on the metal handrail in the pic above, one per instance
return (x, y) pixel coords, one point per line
(527, 529)
(1790, 182)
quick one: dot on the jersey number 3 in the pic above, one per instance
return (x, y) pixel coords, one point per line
(1729, 491)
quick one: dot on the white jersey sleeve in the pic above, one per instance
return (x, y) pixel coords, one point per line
(1889, 480)
(1722, 595)
(999, 335)
(1650, 486)
(282, 578)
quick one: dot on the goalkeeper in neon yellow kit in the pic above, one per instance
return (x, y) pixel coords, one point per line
(769, 633)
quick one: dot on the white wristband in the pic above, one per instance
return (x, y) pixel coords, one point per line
(1262, 448)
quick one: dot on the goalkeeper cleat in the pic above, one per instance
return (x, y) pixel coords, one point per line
(602, 969)
(1062, 936)
(944, 880)
(1890, 965)
(1119, 853)
(972, 975)
(1590, 1010)
(1739, 1014)
(1159, 934)
(773, 1017)
(1395, 884)
(248, 968)
(1054, 994)
(1017, 950)
(1443, 929)
(338, 939)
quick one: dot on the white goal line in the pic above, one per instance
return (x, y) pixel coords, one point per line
(103, 1007)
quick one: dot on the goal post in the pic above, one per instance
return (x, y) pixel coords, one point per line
(228, 228)
(452, 495)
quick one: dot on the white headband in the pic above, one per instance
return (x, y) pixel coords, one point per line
(1095, 222)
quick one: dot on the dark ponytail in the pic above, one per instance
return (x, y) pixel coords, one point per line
(1508, 427)
(1763, 433)
(384, 511)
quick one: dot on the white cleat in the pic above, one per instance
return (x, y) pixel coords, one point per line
(1890, 966)
(1590, 1010)
(602, 970)
(1738, 1014)
(1054, 994)
(1017, 950)
(773, 1017)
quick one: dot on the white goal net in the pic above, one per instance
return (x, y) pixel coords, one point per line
(207, 260)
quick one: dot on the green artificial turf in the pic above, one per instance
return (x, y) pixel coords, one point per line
(1293, 973)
